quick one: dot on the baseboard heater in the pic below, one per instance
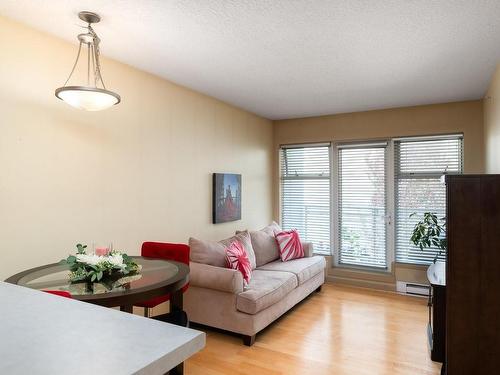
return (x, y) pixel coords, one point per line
(412, 288)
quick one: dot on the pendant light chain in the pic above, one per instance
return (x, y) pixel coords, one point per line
(97, 55)
(92, 58)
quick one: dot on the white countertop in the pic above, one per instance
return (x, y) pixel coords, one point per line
(45, 334)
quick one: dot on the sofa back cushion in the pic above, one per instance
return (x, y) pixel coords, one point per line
(264, 244)
(207, 252)
(213, 253)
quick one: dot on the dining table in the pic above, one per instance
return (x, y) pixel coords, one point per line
(156, 278)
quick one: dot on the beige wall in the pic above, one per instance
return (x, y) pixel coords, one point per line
(461, 117)
(492, 124)
(139, 171)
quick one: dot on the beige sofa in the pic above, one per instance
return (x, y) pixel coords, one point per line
(218, 298)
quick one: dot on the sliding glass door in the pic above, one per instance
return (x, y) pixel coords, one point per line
(362, 205)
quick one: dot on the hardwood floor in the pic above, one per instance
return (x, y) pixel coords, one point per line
(341, 330)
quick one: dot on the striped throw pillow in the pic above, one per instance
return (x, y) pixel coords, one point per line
(290, 245)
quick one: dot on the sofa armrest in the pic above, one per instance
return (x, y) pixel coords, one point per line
(218, 278)
(308, 249)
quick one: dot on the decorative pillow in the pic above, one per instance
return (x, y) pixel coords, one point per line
(213, 253)
(237, 259)
(244, 238)
(290, 245)
(264, 244)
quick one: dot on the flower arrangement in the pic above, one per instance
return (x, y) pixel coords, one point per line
(93, 267)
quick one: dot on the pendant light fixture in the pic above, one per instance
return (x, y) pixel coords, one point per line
(94, 96)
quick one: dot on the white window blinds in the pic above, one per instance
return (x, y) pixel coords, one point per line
(362, 205)
(419, 165)
(305, 193)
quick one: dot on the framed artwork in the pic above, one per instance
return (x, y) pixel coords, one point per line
(226, 205)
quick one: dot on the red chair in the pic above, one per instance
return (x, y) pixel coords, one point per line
(168, 251)
(61, 293)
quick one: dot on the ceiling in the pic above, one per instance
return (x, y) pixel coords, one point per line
(295, 58)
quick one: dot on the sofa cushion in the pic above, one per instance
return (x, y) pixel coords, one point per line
(213, 253)
(303, 268)
(265, 289)
(264, 244)
(207, 252)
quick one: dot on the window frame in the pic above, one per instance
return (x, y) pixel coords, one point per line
(421, 175)
(330, 179)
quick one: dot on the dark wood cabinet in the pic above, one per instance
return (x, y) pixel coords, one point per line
(473, 275)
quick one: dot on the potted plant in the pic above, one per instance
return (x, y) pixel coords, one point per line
(430, 232)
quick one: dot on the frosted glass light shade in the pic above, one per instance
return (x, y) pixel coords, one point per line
(87, 98)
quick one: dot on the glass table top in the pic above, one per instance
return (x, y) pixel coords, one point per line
(56, 277)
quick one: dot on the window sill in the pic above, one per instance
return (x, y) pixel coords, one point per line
(412, 266)
(375, 275)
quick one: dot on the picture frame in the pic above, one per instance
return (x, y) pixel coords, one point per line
(226, 197)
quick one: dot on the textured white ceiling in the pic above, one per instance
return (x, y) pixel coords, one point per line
(291, 58)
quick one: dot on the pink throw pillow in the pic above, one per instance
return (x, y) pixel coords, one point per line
(237, 259)
(290, 245)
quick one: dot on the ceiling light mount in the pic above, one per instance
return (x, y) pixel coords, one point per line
(94, 96)
(89, 17)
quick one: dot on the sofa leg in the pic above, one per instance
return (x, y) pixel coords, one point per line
(248, 340)
(318, 289)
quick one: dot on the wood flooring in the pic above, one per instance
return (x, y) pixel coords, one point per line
(340, 330)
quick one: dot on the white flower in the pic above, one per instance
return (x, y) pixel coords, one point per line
(116, 260)
(91, 259)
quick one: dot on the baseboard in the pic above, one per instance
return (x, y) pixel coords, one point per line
(390, 287)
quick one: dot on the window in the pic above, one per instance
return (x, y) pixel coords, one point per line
(305, 193)
(351, 215)
(362, 205)
(419, 165)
